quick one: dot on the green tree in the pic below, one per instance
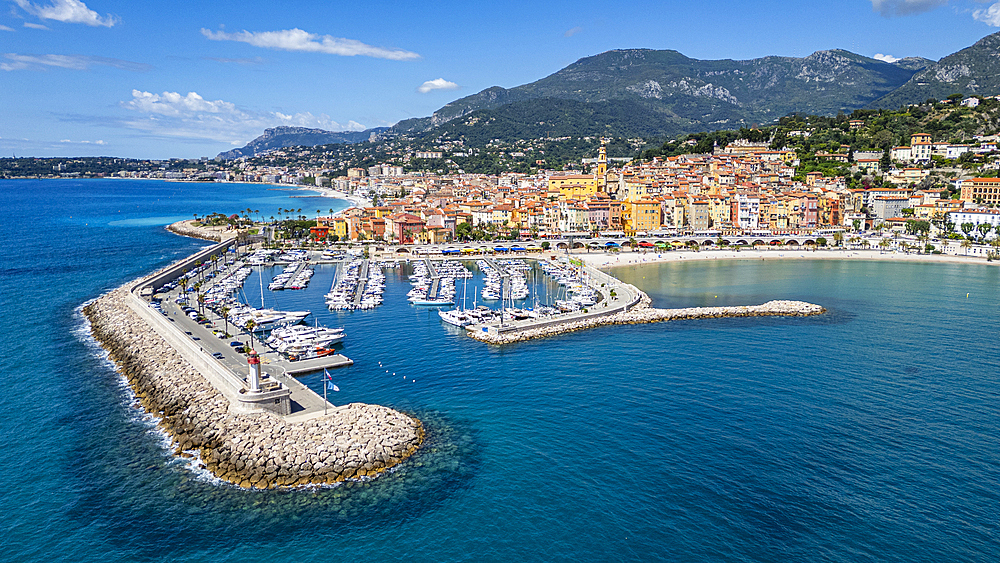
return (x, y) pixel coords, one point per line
(985, 228)
(224, 312)
(967, 228)
(249, 326)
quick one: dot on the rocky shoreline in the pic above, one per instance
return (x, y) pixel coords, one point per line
(643, 313)
(259, 450)
(188, 229)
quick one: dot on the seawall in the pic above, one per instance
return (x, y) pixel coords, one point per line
(256, 450)
(643, 313)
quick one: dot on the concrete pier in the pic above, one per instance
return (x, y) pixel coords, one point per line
(359, 292)
(623, 303)
(432, 291)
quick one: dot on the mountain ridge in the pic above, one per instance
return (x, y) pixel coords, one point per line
(288, 136)
(647, 92)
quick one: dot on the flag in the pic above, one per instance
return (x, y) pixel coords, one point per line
(329, 380)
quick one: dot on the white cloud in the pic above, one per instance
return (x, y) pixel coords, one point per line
(5, 28)
(68, 11)
(990, 16)
(34, 25)
(572, 31)
(885, 58)
(299, 40)
(97, 142)
(15, 61)
(173, 104)
(191, 116)
(437, 84)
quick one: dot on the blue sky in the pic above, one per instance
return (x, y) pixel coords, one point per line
(152, 79)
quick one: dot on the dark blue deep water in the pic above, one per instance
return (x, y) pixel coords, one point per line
(871, 433)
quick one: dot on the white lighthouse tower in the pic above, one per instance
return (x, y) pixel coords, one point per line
(254, 379)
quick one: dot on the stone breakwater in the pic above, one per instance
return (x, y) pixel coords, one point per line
(643, 313)
(260, 450)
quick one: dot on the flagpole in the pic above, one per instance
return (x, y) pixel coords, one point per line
(325, 402)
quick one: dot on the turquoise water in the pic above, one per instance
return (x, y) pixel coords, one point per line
(867, 434)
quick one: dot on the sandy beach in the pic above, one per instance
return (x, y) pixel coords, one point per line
(356, 201)
(611, 260)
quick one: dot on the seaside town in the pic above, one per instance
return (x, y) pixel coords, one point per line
(565, 281)
(741, 188)
(927, 188)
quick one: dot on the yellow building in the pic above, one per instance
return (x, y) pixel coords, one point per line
(573, 186)
(340, 227)
(981, 190)
(602, 167)
(642, 216)
(721, 212)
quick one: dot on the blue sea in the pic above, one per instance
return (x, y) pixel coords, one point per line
(871, 433)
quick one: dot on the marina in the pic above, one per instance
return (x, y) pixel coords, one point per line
(756, 424)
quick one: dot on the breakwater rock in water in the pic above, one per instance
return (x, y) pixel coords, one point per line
(643, 313)
(259, 450)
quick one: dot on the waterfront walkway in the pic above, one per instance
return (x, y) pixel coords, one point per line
(216, 356)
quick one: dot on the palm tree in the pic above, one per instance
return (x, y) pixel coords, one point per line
(985, 228)
(838, 238)
(966, 244)
(883, 245)
(224, 311)
(923, 238)
(249, 326)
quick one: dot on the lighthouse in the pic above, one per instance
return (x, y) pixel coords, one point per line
(254, 379)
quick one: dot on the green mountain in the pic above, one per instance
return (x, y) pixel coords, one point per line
(973, 70)
(649, 93)
(677, 93)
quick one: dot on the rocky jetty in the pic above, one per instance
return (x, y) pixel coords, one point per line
(260, 450)
(643, 313)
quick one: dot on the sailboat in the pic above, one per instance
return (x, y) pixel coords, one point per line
(458, 317)
(265, 319)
